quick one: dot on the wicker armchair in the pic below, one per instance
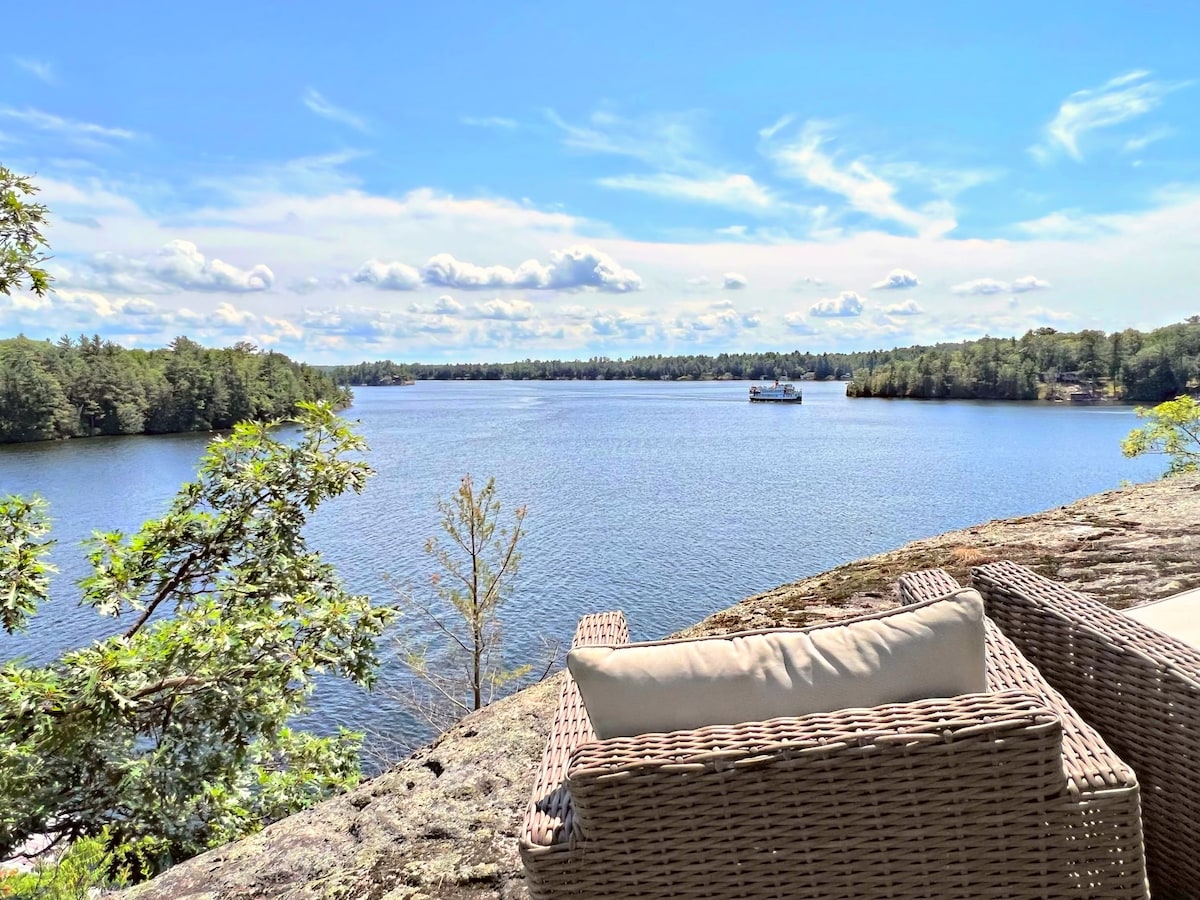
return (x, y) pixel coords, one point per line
(1138, 686)
(1002, 794)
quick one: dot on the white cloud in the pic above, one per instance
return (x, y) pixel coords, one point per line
(981, 286)
(87, 199)
(575, 267)
(898, 279)
(942, 181)
(90, 311)
(721, 320)
(797, 324)
(583, 266)
(325, 205)
(734, 282)
(1028, 283)
(623, 324)
(987, 286)
(733, 231)
(39, 69)
(847, 303)
(508, 310)
(228, 314)
(91, 301)
(278, 331)
(572, 268)
(178, 265)
(908, 307)
(326, 110)
(574, 312)
(23, 303)
(1113, 103)
(359, 322)
(865, 190)
(735, 191)
(771, 130)
(665, 142)
(668, 144)
(489, 122)
(307, 285)
(83, 133)
(1070, 223)
(139, 306)
(1142, 141)
(443, 269)
(1044, 314)
(388, 276)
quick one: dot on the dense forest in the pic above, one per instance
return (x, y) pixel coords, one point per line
(372, 374)
(601, 368)
(92, 386)
(1130, 365)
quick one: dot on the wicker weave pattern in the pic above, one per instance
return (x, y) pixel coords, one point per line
(1103, 827)
(925, 585)
(550, 816)
(1139, 687)
(963, 797)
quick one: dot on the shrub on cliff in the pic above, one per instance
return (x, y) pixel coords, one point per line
(172, 735)
(1173, 430)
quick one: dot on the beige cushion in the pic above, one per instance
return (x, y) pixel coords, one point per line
(1177, 615)
(929, 649)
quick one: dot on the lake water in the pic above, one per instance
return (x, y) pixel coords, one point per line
(668, 500)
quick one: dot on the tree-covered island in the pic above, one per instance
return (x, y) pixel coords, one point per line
(90, 386)
(1043, 364)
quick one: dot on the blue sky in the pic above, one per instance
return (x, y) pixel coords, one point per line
(472, 181)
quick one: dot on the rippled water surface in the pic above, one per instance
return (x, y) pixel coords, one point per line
(667, 500)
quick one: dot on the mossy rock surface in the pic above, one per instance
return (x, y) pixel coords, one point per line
(442, 825)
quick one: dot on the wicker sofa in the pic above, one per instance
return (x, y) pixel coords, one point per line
(1138, 686)
(1001, 794)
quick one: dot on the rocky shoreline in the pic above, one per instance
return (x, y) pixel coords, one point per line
(442, 825)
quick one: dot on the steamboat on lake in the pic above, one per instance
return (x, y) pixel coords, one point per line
(775, 393)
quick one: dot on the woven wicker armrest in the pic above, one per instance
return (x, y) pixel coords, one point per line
(1138, 687)
(931, 798)
(1088, 761)
(925, 585)
(548, 818)
(799, 761)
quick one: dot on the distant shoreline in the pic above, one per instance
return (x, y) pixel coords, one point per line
(1064, 401)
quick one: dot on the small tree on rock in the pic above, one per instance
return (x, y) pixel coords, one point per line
(477, 560)
(1173, 430)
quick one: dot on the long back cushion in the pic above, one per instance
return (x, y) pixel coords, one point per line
(929, 649)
